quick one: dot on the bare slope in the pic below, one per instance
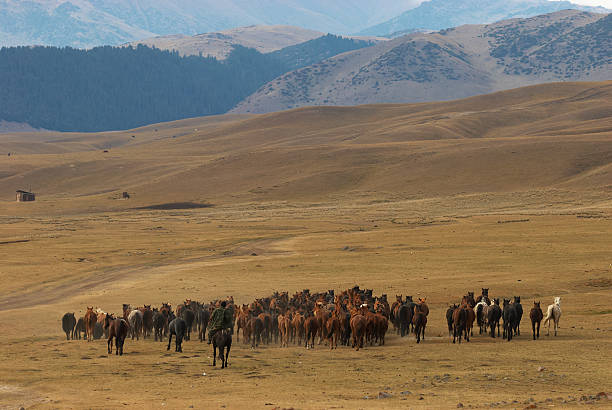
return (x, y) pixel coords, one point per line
(456, 63)
(553, 136)
(262, 38)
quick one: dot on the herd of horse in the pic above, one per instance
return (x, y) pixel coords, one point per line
(488, 314)
(352, 317)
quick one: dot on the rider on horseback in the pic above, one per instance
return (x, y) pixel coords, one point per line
(220, 319)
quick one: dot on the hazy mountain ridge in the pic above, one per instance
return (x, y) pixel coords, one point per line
(88, 23)
(264, 39)
(442, 14)
(450, 64)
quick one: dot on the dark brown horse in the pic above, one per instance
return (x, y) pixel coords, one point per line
(117, 328)
(420, 320)
(311, 328)
(222, 340)
(358, 330)
(536, 317)
(459, 319)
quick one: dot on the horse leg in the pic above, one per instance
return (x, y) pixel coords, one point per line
(169, 341)
(538, 330)
(109, 345)
(533, 325)
(214, 353)
(227, 350)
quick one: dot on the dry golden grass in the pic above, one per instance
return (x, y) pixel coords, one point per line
(521, 209)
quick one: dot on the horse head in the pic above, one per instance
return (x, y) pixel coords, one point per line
(558, 300)
(536, 304)
(485, 291)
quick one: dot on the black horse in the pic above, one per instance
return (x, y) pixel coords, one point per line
(222, 339)
(494, 314)
(159, 323)
(404, 318)
(177, 328)
(189, 317)
(68, 324)
(519, 314)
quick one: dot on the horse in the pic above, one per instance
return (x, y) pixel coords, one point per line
(481, 317)
(255, 330)
(519, 314)
(80, 327)
(90, 320)
(222, 340)
(536, 316)
(284, 328)
(266, 319)
(449, 318)
(135, 322)
(484, 296)
(68, 324)
(298, 328)
(469, 324)
(177, 327)
(333, 331)
(159, 323)
(311, 328)
(509, 319)
(188, 316)
(553, 313)
(459, 319)
(420, 320)
(203, 317)
(147, 321)
(358, 330)
(494, 314)
(117, 328)
(404, 318)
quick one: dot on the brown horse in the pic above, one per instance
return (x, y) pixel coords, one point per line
(298, 328)
(358, 330)
(284, 328)
(420, 320)
(222, 340)
(536, 317)
(90, 322)
(117, 328)
(333, 331)
(459, 319)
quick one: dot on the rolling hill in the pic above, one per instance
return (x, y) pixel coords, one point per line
(455, 63)
(442, 14)
(553, 137)
(89, 23)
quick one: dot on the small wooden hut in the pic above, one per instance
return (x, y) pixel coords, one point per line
(25, 196)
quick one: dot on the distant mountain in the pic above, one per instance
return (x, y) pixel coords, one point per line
(442, 14)
(264, 39)
(468, 60)
(88, 23)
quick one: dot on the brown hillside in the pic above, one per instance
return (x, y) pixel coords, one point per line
(553, 136)
(468, 60)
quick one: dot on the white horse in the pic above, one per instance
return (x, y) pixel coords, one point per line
(554, 313)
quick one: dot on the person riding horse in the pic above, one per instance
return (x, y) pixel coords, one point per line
(221, 319)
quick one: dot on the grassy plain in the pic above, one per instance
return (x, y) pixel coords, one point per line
(511, 192)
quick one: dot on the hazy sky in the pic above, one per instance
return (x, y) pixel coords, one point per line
(605, 3)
